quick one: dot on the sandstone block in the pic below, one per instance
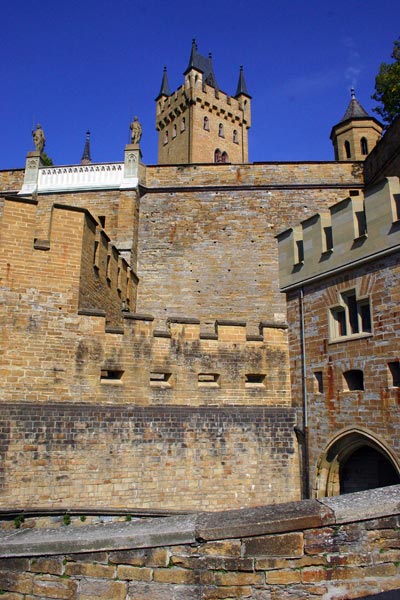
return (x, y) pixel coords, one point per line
(134, 573)
(94, 589)
(49, 586)
(289, 545)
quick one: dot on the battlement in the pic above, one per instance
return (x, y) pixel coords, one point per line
(60, 254)
(354, 230)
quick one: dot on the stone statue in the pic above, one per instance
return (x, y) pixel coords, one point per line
(136, 130)
(38, 138)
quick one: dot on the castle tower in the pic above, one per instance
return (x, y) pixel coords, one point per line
(199, 123)
(356, 134)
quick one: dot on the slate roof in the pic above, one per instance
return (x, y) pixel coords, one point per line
(204, 65)
(164, 89)
(241, 86)
(354, 109)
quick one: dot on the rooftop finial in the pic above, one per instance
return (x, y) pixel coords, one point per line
(353, 93)
(86, 158)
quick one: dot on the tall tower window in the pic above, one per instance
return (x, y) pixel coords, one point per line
(183, 124)
(217, 156)
(224, 157)
(347, 149)
(174, 131)
(364, 146)
(206, 124)
(235, 137)
(166, 138)
(221, 130)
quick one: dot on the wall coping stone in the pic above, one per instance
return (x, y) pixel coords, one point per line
(203, 526)
(137, 316)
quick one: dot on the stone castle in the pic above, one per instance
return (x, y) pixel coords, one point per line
(151, 358)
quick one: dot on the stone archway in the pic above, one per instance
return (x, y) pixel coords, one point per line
(355, 460)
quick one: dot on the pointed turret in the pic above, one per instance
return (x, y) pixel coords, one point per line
(204, 65)
(241, 89)
(164, 89)
(356, 133)
(86, 158)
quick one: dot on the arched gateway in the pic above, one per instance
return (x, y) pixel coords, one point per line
(355, 460)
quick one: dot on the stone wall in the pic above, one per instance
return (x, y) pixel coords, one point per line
(206, 234)
(105, 406)
(11, 180)
(384, 160)
(340, 548)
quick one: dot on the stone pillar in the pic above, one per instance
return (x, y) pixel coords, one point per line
(132, 158)
(33, 162)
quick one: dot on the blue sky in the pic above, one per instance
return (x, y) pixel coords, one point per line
(74, 66)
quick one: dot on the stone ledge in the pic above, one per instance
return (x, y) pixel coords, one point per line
(188, 529)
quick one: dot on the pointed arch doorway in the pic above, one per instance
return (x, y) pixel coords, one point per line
(355, 460)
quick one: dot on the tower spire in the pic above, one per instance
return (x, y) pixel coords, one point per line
(241, 86)
(164, 89)
(86, 158)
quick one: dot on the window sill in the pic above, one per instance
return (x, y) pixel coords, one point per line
(350, 338)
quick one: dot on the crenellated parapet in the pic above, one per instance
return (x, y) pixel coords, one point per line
(352, 231)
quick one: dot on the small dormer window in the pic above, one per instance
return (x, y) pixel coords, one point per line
(183, 124)
(221, 130)
(235, 137)
(347, 149)
(364, 146)
(206, 124)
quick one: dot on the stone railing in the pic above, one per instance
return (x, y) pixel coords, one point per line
(339, 547)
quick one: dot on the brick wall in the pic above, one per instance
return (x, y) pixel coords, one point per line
(146, 457)
(11, 180)
(342, 549)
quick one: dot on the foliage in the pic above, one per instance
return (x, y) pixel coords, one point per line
(46, 160)
(387, 87)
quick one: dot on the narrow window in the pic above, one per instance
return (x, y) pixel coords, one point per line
(217, 156)
(318, 382)
(299, 251)
(364, 146)
(183, 124)
(235, 137)
(221, 130)
(351, 303)
(328, 239)
(108, 267)
(224, 157)
(396, 207)
(254, 380)
(111, 376)
(208, 380)
(353, 380)
(339, 321)
(96, 254)
(365, 315)
(174, 131)
(159, 378)
(394, 373)
(206, 124)
(166, 138)
(102, 221)
(361, 224)
(347, 149)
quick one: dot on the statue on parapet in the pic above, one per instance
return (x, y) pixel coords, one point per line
(136, 130)
(38, 138)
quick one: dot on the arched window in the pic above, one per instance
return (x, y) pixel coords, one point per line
(174, 131)
(235, 137)
(364, 146)
(347, 149)
(206, 124)
(166, 137)
(221, 130)
(217, 156)
(224, 157)
(183, 124)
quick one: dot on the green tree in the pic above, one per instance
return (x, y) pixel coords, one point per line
(46, 160)
(387, 87)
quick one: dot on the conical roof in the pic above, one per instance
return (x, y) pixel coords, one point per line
(354, 109)
(241, 86)
(164, 89)
(203, 64)
(86, 158)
